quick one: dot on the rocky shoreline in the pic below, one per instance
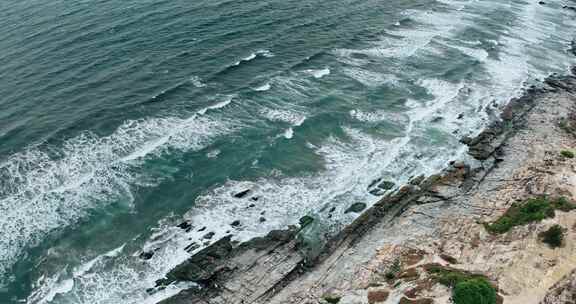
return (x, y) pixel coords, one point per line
(432, 221)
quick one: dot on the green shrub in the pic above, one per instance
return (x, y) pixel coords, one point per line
(554, 236)
(567, 154)
(474, 291)
(533, 210)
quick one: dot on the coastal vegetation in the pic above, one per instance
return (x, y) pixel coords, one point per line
(554, 236)
(567, 153)
(533, 210)
(467, 288)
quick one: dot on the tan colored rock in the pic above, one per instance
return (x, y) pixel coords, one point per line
(378, 295)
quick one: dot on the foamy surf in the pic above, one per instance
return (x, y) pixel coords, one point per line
(46, 191)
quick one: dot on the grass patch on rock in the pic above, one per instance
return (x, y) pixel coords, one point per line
(533, 210)
(554, 236)
(567, 153)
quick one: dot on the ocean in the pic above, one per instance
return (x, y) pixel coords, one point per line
(119, 119)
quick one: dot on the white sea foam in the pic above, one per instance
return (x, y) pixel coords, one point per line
(219, 105)
(291, 117)
(45, 190)
(289, 133)
(264, 87)
(197, 82)
(252, 56)
(318, 73)
(213, 153)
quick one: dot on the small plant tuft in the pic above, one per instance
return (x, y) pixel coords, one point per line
(554, 236)
(332, 299)
(567, 153)
(533, 210)
(394, 270)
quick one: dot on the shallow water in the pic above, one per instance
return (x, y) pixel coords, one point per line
(120, 118)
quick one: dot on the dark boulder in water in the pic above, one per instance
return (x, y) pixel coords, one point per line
(146, 255)
(209, 235)
(386, 185)
(202, 229)
(377, 192)
(184, 225)
(262, 220)
(191, 247)
(356, 208)
(242, 194)
(235, 223)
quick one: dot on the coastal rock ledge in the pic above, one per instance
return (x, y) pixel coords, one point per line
(474, 226)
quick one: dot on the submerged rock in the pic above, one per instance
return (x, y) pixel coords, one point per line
(235, 223)
(305, 221)
(242, 194)
(356, 208)
(184, 225)
(209, 235)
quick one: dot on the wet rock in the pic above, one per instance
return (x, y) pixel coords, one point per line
(235, 223)
(356, 208)
(305, 221)
(242, 194)
(262, 220)
(541, 2)
(332, 210)
(185, 225)
(146, 255)
(202, 229)
(255, 198)
(417, 180)
(202, 266)
(377, 192)
(437, 119)
(386, 185)
(374, 183)
(191, 247)
(459, 165)
(252, 206)
(460, 116)
(208, 235)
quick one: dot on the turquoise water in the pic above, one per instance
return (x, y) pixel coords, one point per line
(119, 119)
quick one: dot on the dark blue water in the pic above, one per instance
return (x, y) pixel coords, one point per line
(120, 118)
